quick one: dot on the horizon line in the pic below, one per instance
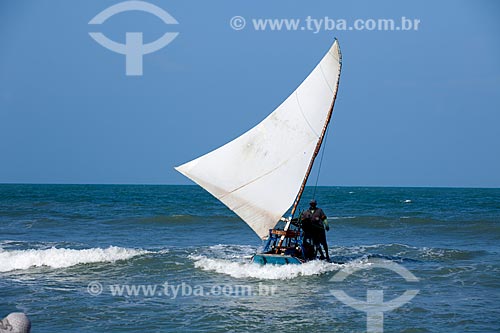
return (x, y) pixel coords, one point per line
(159, 184)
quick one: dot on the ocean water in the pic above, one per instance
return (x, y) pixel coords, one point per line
(105, 258)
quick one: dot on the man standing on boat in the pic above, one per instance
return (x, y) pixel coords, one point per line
(314, 223)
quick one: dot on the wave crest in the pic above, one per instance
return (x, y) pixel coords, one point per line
(265, 272)
(61, 257)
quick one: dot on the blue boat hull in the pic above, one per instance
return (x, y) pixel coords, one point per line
(275, 259)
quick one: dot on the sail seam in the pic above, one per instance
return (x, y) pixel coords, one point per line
(267, 173)
(326, 80)
(304, 116)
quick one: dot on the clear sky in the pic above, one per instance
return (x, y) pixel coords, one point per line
(415, 108)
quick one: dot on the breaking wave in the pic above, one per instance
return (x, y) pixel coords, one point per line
(266, 272)
(60, 257)
(235, 261)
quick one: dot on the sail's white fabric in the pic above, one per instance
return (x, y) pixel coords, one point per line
(259, 174)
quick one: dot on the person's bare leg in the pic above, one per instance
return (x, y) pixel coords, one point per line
(321, 255)
(325, 246)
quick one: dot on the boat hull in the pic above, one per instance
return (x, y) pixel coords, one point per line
(275, 259)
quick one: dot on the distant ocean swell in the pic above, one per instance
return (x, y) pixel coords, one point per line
(376, 222)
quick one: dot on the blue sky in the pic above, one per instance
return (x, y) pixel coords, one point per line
(415, 108)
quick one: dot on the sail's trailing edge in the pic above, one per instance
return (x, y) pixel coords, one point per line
(258, 175)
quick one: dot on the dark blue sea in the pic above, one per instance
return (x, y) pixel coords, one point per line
(106, 258)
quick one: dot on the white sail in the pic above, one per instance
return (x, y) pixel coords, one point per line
(258, 175)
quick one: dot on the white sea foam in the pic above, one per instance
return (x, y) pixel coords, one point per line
(341, 217)
(11, 260)
(234, 260)
(266, 272)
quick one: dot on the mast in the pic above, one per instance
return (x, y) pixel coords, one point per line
(316, 151)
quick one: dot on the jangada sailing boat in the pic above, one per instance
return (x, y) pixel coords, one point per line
(260, 174)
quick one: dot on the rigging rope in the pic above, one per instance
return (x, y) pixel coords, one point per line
(320, 163)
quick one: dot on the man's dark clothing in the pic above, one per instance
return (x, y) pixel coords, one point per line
(314, 229)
